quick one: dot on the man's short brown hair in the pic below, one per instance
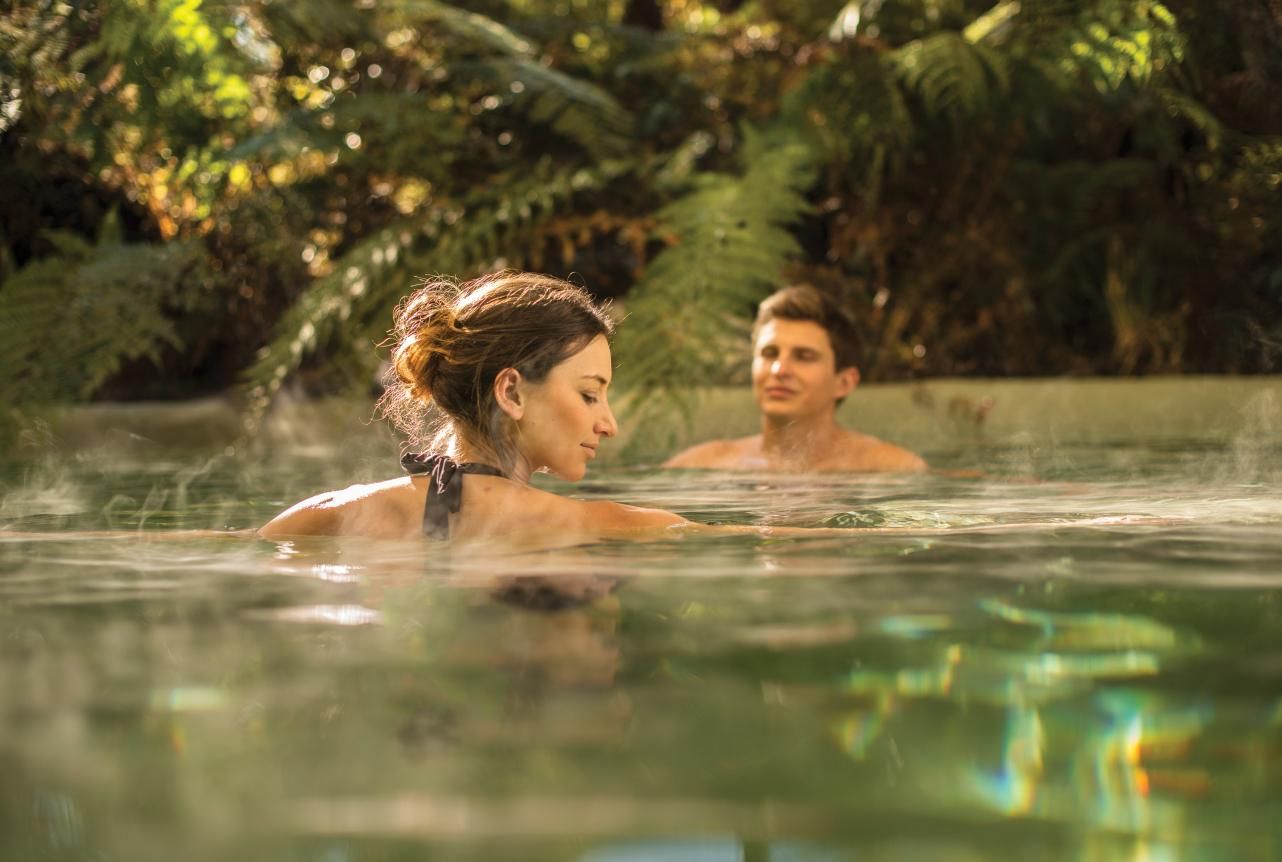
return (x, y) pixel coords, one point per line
(803, 302)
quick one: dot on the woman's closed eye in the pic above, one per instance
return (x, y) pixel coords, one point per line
(590, 398)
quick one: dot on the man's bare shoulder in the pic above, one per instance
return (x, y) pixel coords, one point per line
(716, 454)
(867, 454)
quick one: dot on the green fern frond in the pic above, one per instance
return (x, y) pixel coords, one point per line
(1108, 44)
(73, 318)
(1196, 114)
(34, 39)
(860, 115)
(473, 27)
(952, 77)
(577, 110)
(360, 278)
(674, 170)
(401, 133)
(319, 22)
(730, 242)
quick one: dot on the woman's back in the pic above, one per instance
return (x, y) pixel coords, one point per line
(492, 509)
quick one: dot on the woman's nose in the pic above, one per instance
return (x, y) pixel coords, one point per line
(606, 426)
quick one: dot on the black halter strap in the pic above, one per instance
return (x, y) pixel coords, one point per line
(444, 489)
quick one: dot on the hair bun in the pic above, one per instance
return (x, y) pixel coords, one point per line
(425, 327)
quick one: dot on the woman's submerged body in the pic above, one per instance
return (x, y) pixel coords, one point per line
(560, 421)
(493, 508)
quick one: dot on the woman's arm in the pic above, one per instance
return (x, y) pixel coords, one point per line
(621, 518)
(784, 532)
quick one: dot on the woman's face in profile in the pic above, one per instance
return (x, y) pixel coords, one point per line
(567, 414)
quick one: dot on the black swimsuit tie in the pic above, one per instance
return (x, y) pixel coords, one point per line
(444, 488)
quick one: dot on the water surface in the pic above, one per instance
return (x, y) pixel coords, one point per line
(1058, 691)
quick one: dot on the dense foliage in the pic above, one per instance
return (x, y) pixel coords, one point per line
(202, 192)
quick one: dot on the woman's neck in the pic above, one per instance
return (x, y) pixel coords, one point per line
(517, 469)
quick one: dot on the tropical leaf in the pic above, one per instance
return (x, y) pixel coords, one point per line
(729, 241)
(73, 318)
(473, 27)
(578, 110)
(400, 134)
(953, 78)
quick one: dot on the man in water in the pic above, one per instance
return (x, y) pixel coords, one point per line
(803, 367)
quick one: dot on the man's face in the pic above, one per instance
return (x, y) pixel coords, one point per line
(794, 373)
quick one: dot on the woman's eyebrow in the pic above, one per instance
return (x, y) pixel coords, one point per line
(597, 377)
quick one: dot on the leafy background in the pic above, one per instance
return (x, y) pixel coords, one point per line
(204, 196)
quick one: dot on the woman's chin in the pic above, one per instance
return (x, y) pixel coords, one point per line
(569, 474)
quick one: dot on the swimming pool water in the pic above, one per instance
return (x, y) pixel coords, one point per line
(1049, 692)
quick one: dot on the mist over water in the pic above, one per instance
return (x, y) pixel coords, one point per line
(1058, 688)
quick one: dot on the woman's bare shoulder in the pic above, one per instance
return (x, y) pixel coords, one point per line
(377, 510)
(522, 514)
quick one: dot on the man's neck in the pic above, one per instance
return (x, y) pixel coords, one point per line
(800, 440)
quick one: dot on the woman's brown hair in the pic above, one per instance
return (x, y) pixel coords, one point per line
(451, 340)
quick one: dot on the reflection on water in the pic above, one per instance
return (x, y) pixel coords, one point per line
(1069, 744)
(1056, 692)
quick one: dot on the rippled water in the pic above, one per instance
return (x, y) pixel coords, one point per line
(1057, 691)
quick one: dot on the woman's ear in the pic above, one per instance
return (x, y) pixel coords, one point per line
(507, 393)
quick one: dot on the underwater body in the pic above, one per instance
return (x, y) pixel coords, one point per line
(1056, 687)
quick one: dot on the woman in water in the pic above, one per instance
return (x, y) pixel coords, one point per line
(517, 366)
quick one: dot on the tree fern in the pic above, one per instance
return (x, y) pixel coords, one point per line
(954, 79)
(480, 30)
(729, 241)
(73, 318)
(483, 50)
(860, 113)
(577, 110)
(402, 134)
